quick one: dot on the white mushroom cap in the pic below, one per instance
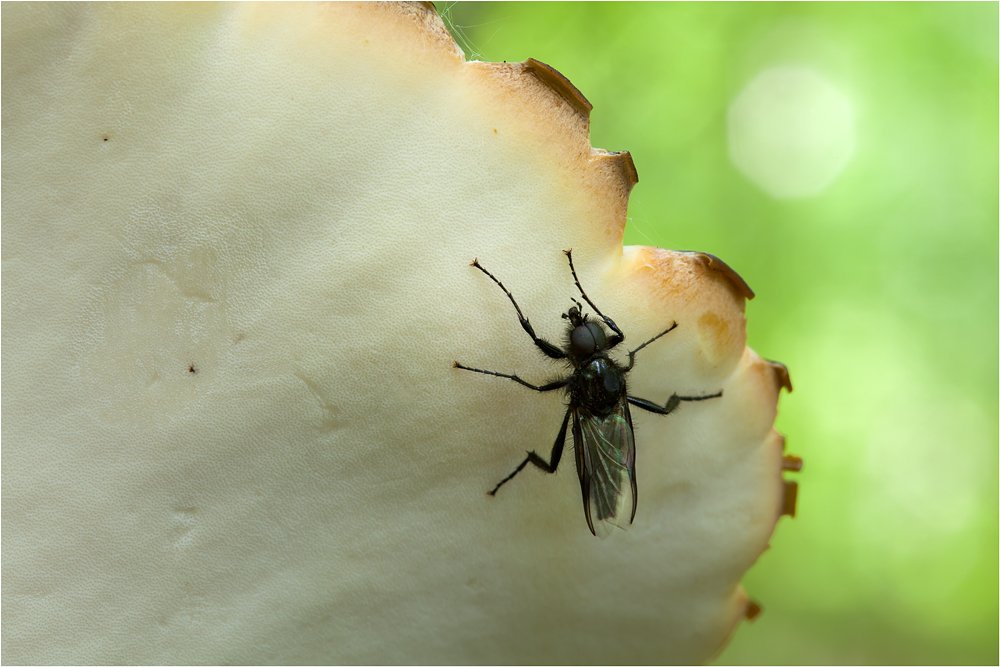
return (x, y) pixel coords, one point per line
(236, 276)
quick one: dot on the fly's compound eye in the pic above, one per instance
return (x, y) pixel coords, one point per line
(587, 339)
(598, 333)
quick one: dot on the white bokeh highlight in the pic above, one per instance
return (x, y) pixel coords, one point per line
(791, 132)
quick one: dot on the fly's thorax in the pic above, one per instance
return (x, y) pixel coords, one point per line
(599, 384)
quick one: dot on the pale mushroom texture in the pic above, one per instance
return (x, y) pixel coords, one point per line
(236, 274)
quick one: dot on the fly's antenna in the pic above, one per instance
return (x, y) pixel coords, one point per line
(579, 311)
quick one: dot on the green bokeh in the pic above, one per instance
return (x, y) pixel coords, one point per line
(879, 293)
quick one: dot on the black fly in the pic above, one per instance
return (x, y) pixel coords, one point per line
(599, 403)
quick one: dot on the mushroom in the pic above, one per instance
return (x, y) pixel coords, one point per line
(236, 276)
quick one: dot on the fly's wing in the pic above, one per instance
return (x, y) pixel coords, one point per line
(606, 446)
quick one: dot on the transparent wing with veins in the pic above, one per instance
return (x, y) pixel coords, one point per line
(609, 458)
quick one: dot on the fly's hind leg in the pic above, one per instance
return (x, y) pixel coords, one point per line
(536, 460)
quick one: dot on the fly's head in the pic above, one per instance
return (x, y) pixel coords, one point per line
(585, 338)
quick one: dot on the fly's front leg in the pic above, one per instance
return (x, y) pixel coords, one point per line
(558, 384)
(545, 346)
(536, 460)
(671, 404)
(618, 335)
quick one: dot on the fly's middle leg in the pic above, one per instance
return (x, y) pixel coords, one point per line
(558, 384)
(671, 404)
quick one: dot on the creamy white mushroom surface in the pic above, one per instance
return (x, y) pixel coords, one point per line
(236, 276)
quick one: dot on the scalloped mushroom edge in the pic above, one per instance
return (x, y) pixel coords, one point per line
(549, 109)
(559, 114)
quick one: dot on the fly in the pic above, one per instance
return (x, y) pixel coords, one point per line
(603, 435)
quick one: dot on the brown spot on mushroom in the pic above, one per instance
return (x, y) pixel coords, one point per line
(716, 264)
(791, 496)
(752, 611)
(791, 462)
(192, 370)
(716, 334)
(105, 137)
(781, 372)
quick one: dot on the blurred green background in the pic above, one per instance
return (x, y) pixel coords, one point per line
(843, 158)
